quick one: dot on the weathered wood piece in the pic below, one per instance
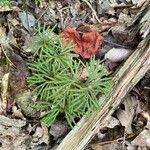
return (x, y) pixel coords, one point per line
(126, 78)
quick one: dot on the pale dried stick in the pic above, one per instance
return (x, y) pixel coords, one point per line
(94, 12)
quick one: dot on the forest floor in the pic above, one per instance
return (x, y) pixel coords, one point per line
(21, 127)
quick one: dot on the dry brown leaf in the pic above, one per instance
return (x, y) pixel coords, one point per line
(83, 74)
(146, 115)
(4, 93)
(129, 146)
(110, 123)
(96, 147)
(119, 33)
(25, 102)
(40, 137)
(12, 138)
(100, 27)
(86, 45)
(7, 8)
(43, 4)
(138, 3)
(126, 116)
(12, 20)
(5, 121)
(145, 25)
(27, 20)
(3, 38)
(104, 7)
(17, 113)
(143, 139)
(124, 18)
(111, 146)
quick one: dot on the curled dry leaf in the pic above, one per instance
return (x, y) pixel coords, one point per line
(86, 45)
(110, 123)
(94, 27)
(17, 113)
(117, 54)
(40, 138)
(127, 114)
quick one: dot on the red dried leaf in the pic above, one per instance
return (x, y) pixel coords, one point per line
(87, 45)
(73, 36)
(91, 42)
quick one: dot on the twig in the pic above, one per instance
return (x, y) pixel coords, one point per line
(112, 43)
(122, 6)
(62, 20)
(115, 141)
(94, 12)
(27, 19)
(43, 13)
(3, 50)
(147, 88)
(26, 13)
(124, 138)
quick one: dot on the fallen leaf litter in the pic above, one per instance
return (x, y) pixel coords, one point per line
(88, 41)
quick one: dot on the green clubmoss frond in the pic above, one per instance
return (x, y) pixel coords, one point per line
(56, 80)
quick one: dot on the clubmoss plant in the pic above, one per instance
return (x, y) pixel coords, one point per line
(57, 82)
(4, 3)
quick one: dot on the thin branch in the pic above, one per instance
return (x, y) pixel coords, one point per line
(94, 12)
(121, 139)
